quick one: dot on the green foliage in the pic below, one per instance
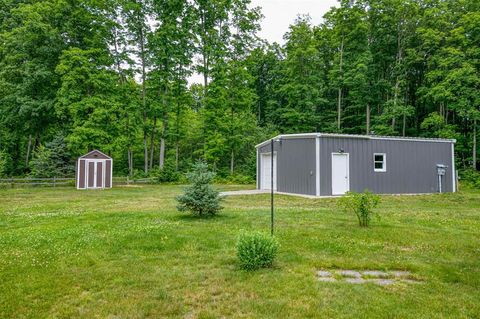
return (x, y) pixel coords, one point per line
(361, 204)
(4, 163)
(470, 178)
(168, 174)
(200, 198)
(235, 179)
(256, 250)
(114, 75)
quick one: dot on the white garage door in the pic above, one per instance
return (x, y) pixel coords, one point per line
(265, 167)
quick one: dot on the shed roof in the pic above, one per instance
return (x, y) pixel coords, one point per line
(370, 137)
(96, 154)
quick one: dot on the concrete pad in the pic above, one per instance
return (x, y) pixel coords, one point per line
(244, 192)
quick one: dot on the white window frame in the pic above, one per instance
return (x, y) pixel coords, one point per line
(384, 168)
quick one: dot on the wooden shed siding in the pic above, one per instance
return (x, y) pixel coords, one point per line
(81, 174)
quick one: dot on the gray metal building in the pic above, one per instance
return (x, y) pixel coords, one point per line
(322, 164)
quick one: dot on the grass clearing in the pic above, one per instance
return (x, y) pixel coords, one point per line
(128, 253)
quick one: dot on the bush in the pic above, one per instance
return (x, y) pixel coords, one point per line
(362, 204)
(235, 179)
(470, 178)
(256, 250)
(200, 198)
(168, 174)
(4, 161)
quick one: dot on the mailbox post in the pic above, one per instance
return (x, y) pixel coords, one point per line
(441, 170)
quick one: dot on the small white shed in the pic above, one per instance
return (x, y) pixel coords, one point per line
(94, 171)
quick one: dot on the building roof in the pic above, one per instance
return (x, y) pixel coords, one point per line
(369, 137)
(96, 154)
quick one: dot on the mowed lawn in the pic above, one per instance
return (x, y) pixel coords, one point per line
(127, 253)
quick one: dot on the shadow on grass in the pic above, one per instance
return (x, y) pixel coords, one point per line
(192, 217)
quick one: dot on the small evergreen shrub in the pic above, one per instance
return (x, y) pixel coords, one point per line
(200, 198)
(256, 250)
(52, 160)
(361, 204)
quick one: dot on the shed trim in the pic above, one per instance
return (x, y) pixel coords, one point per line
(77, 173)
(371, 137)
(258, 170)
(86, 155)
(111, 173)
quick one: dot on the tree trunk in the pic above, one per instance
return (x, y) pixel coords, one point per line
(368, 119)
(152, 141)
(130, 161)
(404, 124)
(177, 153)
(232, 162)
(144, 100)
(474, 151)
(29, 146)
(339, 99)
(161, 157)
(398, 63)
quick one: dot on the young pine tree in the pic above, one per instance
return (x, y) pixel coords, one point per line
(200, 198)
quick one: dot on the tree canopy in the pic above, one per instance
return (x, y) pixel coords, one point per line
(114, 75)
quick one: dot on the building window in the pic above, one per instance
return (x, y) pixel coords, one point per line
(379, 162)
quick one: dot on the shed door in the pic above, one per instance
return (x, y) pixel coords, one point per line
(265, 167)
(95, 174)
(340, 173)
(99, 174)
(91, 174)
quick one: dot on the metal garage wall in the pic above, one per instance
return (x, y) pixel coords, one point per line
(295, 165)
(411, 165)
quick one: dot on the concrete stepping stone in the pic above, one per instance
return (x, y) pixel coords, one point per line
(324, 273)
(327, 279)
(375, 273)
(350, 273)
(355, 280)
(381, 278)
(401, 273)
(382, 282)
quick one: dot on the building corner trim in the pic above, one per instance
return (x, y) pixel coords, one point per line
(454, 170)
(317, 166)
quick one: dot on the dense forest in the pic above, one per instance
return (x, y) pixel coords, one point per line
(113, 75)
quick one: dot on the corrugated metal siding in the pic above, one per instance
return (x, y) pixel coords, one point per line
(411, 165)
(295, 165)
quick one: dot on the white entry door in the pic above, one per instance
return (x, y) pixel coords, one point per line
(340, 173)
(266, 165)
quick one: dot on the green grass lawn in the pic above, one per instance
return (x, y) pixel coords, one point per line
(127, 253)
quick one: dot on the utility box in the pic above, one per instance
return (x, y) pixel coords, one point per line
(441, 170)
